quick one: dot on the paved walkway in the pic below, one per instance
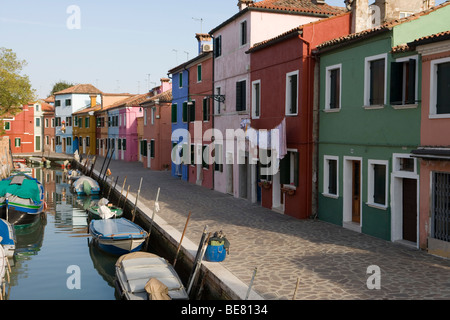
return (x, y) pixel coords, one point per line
(330, 261)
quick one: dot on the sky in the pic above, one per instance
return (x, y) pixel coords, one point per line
(116, 45)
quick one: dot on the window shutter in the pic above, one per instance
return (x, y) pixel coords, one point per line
(296, 163)
(174, 113)
(185, 111)
(152, 148)
(240, 95)
(443, 88)
(412, 82)
(285, 166)
(192, 111)
(396, 82)
(293, 80)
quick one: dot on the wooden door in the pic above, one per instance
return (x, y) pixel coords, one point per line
(356, 191)
(410, 209)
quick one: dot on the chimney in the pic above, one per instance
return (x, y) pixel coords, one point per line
(204, 42)
(93, 100)
(242, 4)
(165, 84)
(360, 14)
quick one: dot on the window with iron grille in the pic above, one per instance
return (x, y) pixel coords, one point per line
(440, 219)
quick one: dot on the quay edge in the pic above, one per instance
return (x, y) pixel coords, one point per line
(219, 282)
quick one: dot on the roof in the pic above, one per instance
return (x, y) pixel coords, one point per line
(351, 38)
(299, 7)
(88, 109)
(46, 107)
(431, 38)
(185, 64)
(81, 89)
(128, 102)
(165, 96)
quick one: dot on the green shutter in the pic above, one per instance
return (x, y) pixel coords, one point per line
(152, 148)
(411, 99)
(185, 111)
(285, 167)
(192, 111)
(396, 83)
(174, 113)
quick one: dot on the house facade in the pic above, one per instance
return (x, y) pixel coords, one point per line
(155, 146)
(19, 128)
(433, 153)
(49, 127)
(370, 113)
(282, 87)
(38, 126)
(254, 23)
(84, 129)
(67, 102)
(201, 166)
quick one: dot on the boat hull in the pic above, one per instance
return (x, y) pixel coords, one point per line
(119, 247)
(93, 212)
(8, 237)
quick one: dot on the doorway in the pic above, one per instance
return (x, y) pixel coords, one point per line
(409, 209)
(356, 191)
(352, 196)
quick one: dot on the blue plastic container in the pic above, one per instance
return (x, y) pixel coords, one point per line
(215, 253)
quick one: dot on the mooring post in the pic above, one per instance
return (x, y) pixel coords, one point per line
(155, 206)
(135, 203)
(251, 284)
(182, 236)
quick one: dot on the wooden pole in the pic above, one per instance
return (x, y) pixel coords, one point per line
(104, 160)
(182, 236)
(110, 187)
(296, 288)
(109, 161)
(153, 219)
(123, 186)
(199, 262)
(125, 200)
(92, 167)
(251, 284)
(135, 203)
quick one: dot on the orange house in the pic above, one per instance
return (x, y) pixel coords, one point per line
(434, 150)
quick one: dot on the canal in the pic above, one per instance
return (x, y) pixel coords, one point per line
(53, 259)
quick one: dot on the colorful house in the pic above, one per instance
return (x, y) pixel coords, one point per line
(201, 167)
(67, 102)
(282, 87)
(369, 122)
(179, 138)
(434, 150)
(84, 128)
(20, 129)
(155, 145)
(255, 22)
(49, 127)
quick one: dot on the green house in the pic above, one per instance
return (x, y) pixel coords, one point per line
(369, 122)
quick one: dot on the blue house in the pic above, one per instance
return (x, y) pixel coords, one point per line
(113, 132)
(180, 130)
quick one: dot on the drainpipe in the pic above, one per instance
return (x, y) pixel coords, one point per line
(213, 112)
(309, 102)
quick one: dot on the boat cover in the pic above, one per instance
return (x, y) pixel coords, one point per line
(157, 290)
(138, 268)
(78, 184)
(22, 187)
(117, 228)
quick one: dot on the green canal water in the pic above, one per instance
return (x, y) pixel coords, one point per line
(53, 259)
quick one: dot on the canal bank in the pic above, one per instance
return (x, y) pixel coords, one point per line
(330, 262)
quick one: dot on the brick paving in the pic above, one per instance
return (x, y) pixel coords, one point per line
(330, 261)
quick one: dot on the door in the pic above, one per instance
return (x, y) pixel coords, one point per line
(409, 207)
(149, 158)
(356, 191)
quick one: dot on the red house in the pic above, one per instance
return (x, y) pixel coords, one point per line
(200, 117)
(282, 96)
(20, 129)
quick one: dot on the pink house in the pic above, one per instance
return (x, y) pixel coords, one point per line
(255, 22)
(434, 150)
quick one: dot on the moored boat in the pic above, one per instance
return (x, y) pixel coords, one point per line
(147, 276)
(104, 212)
(7, 237)
(86, 186)
(117, 236)
(21, 200)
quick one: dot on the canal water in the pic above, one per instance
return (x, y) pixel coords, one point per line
(54, 259)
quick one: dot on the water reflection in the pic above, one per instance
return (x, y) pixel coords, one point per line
(60, 240)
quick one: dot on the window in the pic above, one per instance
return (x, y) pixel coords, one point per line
(152, 148)
(192, 154)
(191, 109)
(330, 176)
(439, 88)
(174, 113)
(46, 123)
(68, 121)
(185, 112)
(37, 143)
(377, 179)
(180, 80)
(375, 80)
(36, 107)
(58, 121)
(217, 103)
(57, 103)
(205, 157)
(145, 116)
(289, 169)
(86, 122)
(333, 87)
(218, 46)
(152, 115)
(88, 141)
(205, 109)
(69, 141)
(241, 95)
(38, 122)
(243, 33)
(440, 225)
(124, 144)
(256, 98)
(292, 93)
(7, 125)
(199, 73)
(119, 144)
(144, 148)
(218, 153)
(68, 102)
(403, 82)
(53, 122)
(403, 164)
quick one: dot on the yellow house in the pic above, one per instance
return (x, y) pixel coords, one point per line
(84, 129)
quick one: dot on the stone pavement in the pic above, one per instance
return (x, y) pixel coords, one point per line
(330, 261)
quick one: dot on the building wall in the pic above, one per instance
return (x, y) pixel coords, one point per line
(22, 127)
